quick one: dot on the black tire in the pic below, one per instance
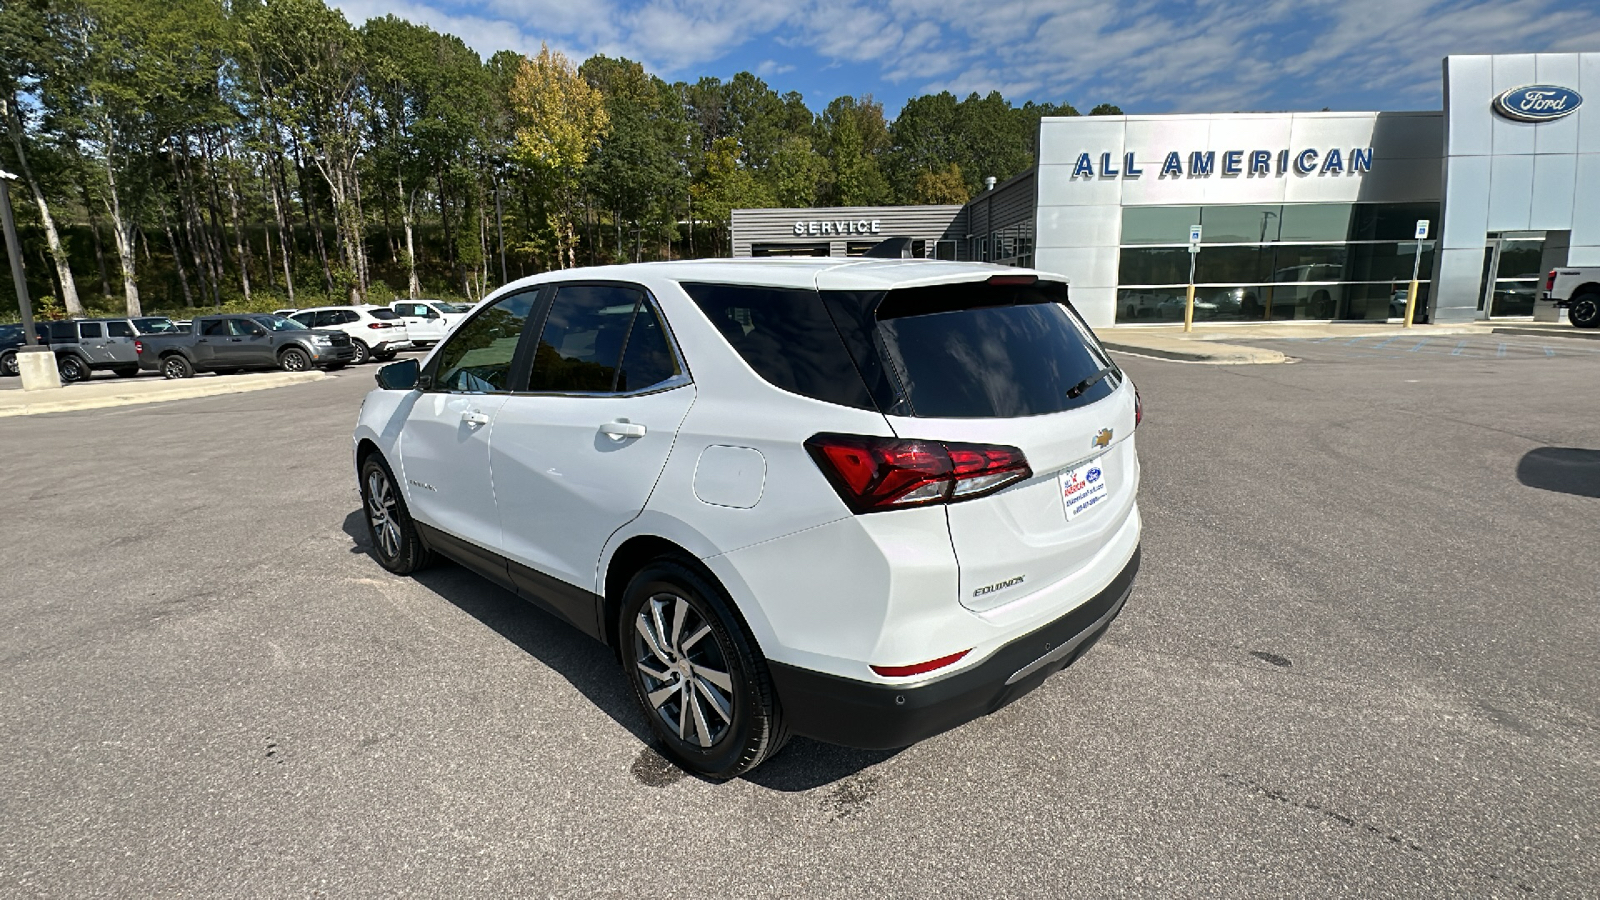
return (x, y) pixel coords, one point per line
(175, 366)
(363, 352)
(73, 369)
(293, 359)
(126, 371)
(8, 365)
(1584, 311)
(740, 737)
(333, 367)
(385, 357)
(389, 524)
(1321, 306)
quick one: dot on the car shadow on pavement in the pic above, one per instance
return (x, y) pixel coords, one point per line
(592, 668)
(1565, 470)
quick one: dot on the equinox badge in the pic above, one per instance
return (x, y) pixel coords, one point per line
(1103, 439)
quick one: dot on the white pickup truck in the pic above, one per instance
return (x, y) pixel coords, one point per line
(1578, 289)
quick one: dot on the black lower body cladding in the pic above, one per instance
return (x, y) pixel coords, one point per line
(875, 716)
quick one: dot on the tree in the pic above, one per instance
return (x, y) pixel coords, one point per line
(25, 45)
(854, 137)
(560, 122)
(312, 71)
(1106, 109)
(944, 186)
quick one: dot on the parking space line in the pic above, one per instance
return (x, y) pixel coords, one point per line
(1458, 349)
(1420, 344)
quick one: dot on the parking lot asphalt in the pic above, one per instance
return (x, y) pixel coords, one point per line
(1359, 659)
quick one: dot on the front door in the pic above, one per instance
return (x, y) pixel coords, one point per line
(251, 346)
(423, 322)
(444, 445)
(1512, 275)
(576, 457)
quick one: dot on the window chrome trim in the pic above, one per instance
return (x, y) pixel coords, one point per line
(660, 387)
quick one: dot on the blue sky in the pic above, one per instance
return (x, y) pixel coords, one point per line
(1145, 55)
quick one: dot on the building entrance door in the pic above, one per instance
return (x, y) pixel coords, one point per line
(1511, 277)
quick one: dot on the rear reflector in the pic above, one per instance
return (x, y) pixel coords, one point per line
(138, 346)
(1550, 281)
(1023, 280)
(919, 668)
(379, 325)
(875, 473)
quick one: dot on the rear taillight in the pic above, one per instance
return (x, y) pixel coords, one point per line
(1138, 408)
(379, 325)
(138, 347)
(1550, 281)
(874, 473)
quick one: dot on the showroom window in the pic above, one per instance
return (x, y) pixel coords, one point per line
(1272, 262)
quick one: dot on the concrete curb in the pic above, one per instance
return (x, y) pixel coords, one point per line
(1564, 334)
(1205, 352)
(19, 403)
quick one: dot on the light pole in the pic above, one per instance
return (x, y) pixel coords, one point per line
(36, 364)
(14, 250)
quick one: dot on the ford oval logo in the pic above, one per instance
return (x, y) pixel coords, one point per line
(1538, 103)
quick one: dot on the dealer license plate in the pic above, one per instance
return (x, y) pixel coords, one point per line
(1084, 488)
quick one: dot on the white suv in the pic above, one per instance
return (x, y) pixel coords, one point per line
(861, 501)
(376, 332)
(427, 321)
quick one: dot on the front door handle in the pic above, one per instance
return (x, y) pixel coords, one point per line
(473, 417)
(620, 429)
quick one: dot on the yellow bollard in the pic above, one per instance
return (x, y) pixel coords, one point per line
(1411, 303)
(1188, 311)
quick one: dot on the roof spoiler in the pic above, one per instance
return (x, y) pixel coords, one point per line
(891, 248)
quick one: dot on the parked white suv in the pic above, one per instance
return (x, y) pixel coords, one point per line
(861, 501)
(375, 331)
(427, 321)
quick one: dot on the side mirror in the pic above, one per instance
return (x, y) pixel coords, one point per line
(399, 376)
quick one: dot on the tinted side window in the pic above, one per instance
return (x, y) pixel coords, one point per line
(119, 329)
(787, 336)
(581, 343)
(648, 359)
(90, 330)
(328, 318)
(305, 318)
(63, 331)
(478, 356)
(215, 326)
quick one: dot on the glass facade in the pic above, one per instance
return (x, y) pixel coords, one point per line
(1273, 262)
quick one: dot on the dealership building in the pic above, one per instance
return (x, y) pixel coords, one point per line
(1302, 216)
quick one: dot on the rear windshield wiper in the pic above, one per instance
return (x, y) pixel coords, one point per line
(1077, 390)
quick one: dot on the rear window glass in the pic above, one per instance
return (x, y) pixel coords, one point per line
(383, 314)
(787, 337)
(989, 351)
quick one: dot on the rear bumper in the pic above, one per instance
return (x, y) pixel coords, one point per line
(878, 716)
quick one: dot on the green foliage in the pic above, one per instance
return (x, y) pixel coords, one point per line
(197, 152)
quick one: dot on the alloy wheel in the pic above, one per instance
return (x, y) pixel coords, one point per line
(294, 361)
(686, 675)
(9, 364)
(383, 512)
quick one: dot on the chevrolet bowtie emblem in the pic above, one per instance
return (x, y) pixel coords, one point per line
(1103, 439)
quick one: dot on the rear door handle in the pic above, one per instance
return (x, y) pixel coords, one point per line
(473, 417)
(620, 430)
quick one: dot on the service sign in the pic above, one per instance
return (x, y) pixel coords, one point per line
(1538, 103)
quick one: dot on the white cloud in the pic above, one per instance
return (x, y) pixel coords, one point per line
(1146, 55)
